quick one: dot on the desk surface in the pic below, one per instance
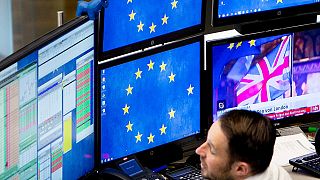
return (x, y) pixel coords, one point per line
(300, 175)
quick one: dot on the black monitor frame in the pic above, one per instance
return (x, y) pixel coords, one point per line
(268, 20)
(183, 33)
(151, 154)
(278, 123)
(46, 39)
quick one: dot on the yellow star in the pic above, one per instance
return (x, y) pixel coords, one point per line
(238, 44)
(165, 19)
(152, 28)
(190, 90)
(150, 138)
(163, 129)
(252, 43)
(171, 113)
(126, 109)
(140, 27)
(138, 74)
(131, 15)
(231, 46)
(279, 1)
(150, 65)
(163, 66)
(129, 1)
(138, 137)
(171, 77)
(129, 126)
(129, 90)
(174, 4)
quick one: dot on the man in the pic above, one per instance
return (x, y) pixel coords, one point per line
(240, 146)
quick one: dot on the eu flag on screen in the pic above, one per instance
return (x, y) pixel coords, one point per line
(223, 54)
(269, 78)
(130, 21)
(246, 54)
(150, 101)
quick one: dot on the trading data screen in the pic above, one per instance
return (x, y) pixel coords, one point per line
(128, 22)
(46, 110)
(227, 8)
(275, 75)
(150, 101)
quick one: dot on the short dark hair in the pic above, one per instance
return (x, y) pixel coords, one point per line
(251, 138)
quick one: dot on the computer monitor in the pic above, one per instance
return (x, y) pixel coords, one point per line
(150, 99)
(131, 25)
(46, 102)
(226, 12)
(273, 73)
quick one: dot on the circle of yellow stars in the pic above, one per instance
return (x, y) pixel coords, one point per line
(239, 44)
(129, 91)
(152, 27)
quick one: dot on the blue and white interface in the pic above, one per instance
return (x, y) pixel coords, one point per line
(228, 8)
(150, 101)
(276, 75)
(46, 110)
(132, 21)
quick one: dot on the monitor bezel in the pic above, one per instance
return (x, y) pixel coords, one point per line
(283, 122)
(46, 39)
(203, 114)
(189, 31)
(43, 41)
(285, 14)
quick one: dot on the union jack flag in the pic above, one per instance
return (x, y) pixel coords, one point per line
(269, 78)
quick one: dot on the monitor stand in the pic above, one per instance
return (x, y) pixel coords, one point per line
(275, 24)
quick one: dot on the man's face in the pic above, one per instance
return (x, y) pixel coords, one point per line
(214, 155)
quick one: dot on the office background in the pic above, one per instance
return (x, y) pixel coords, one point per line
(24, 21)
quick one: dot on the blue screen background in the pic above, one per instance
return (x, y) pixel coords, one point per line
(120, 31)
(239, 7)
(153, 96)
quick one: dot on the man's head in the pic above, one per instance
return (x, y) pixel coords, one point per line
(239, 144)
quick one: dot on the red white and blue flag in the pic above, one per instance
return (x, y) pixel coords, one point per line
(269, 78)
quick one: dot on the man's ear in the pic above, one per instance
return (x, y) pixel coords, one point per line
(241, 169)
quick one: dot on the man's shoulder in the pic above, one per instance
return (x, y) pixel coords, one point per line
(273, 172)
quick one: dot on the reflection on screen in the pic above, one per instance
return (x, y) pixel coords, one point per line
(227, 8)
(277, 75)
(150, 101)
(46, 103)
(128, 22)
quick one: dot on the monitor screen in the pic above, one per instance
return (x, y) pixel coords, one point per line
(149, 101)
(129, 22)
(228, 11)
(46, 106)
(274, 74)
